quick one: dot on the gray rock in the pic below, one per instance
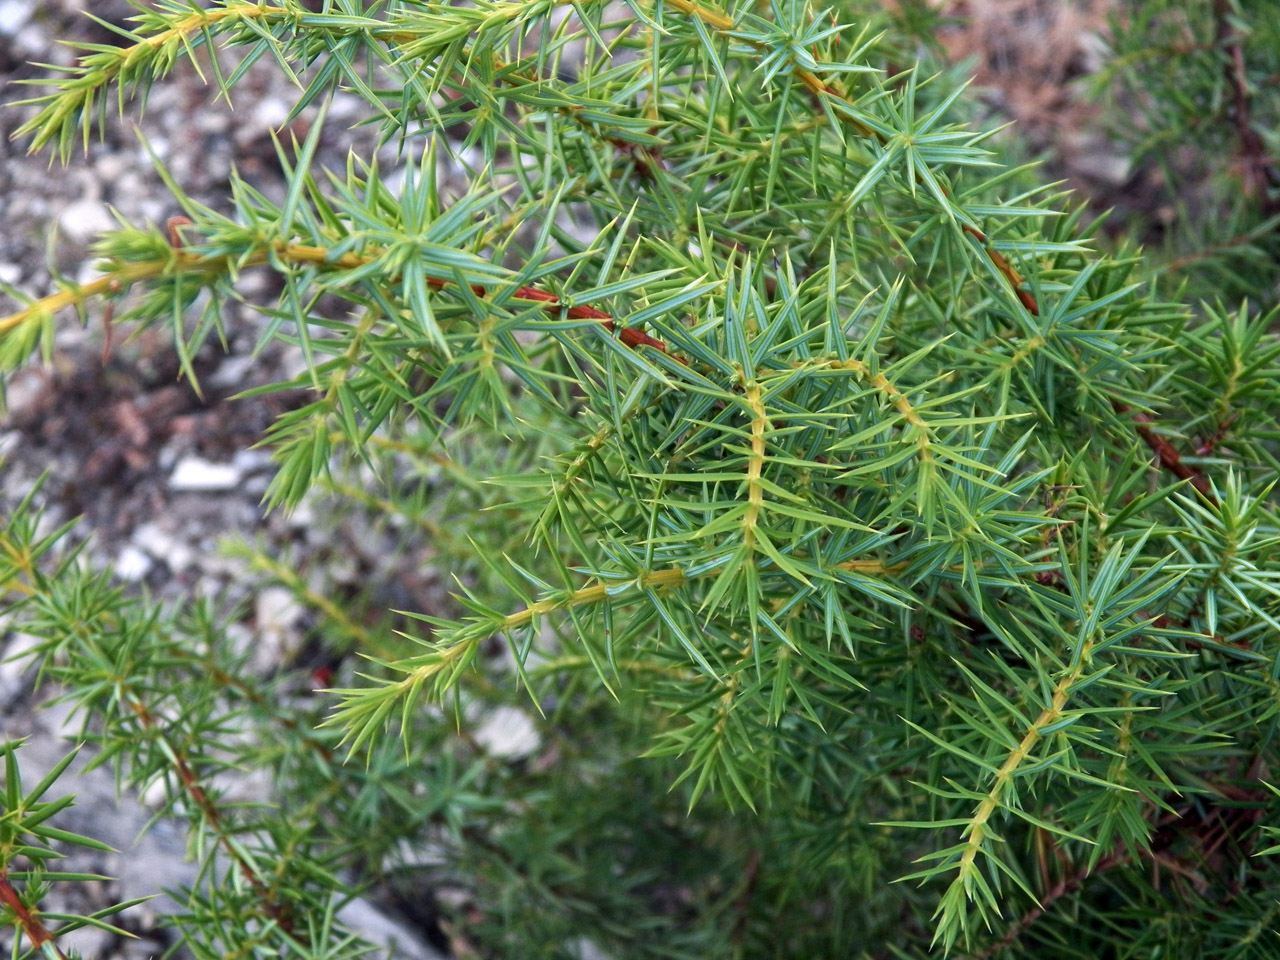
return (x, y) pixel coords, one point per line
(133, 564)
(400, 942)
(164, 547)
(278, 614)
(85, 219)
(15, 668)
(196, 475)
(508, 733)
(13, 15)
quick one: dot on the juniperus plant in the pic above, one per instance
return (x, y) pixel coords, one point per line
(1194, 91)
(894, 572)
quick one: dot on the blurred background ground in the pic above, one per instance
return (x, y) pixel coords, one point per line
(161, 474)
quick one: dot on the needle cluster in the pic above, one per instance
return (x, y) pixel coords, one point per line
(928, 556)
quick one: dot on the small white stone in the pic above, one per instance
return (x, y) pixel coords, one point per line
(232, 373)
(111, 167)
(85, 942)
(251, 461)
(240, 637)
(454, 898)
(179, 556)
(195, 475)
(31, 41)
(256, 487)
(10, 273)
(13, 14)
(303, 516)
(587, 949)
(63, 718)
(270, 113)
(132, 564)
(277, 609)
(243, 786)
(14, 666)
(159, 146)
(156, 795)
(16, 482)
(1112, 168)
(396, 939)
(278, 613)
(346, 107)
(508, 734)
(293, 363)
(85, 219)
(24, 390)
(49, 522)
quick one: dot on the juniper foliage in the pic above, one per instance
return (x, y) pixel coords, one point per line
(1204, 127)
(895, 573)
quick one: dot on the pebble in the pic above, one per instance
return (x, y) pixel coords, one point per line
(396, 939)
(15, 484)
(508, 733)
(268, 114)
(14, 666)
(133, 564)
(1112, 168)
(110, 167)
(251, 461)
(164, 547)
(303, 516)
(292, 364)
(85, 942)
(51, 518)
(196, 475)
(85, 219)
(25, 390)
(278, 613)
(31, 40)
(13, 14)
(232, 373)
(87, 272)
(584, 948)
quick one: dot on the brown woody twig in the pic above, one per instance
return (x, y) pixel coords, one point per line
(1258, 170)
(35, 931)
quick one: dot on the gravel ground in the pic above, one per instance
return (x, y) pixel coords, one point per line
(158, 474)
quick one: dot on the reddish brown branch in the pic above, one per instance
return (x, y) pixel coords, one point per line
(1007, 270)
(1067, 885)
(647, 159)
(1257, 170)
(36, 931)
(1166, 453)
(190, 783)
(631, 337)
